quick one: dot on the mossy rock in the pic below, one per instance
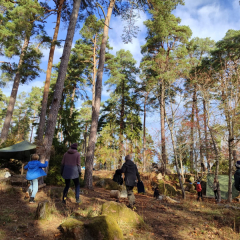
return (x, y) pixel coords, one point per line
(191, 179)
(104, 228)
(96, 178)
(74, 229)
(166, 177)
(190, 187)
(179, 192)
(108, 184)
(193, 191)
(122, 214)
(166, 189)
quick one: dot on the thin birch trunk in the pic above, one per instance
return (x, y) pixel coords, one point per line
(206, 136)
(192, 130)
(48, 75)
(96, 109)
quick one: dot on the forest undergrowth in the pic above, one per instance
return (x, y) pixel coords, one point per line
(187, 219)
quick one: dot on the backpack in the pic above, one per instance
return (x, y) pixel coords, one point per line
(237, 179)
(118, 177)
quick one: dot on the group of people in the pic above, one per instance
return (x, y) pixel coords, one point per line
(71, 170)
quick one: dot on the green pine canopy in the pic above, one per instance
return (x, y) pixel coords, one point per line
(20, 151)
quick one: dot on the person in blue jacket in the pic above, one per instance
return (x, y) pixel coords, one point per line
(35, 171)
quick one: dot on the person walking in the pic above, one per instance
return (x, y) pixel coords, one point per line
(34, 171)
(199, 190)
(215, 188)
(71, 169)
(131, 174)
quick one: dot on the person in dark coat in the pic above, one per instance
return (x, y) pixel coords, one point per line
(131, 174)
(34, 171)
(156, 193)
(237, 176)
(71, 169)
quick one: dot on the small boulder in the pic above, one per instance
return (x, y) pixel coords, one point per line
(104, 228)
(166, 178)
(167, 189)
(100, 227)
(159, 176)
(7, 175)
(191, 179)
(74, 229)
(108, 184)
(122, 214)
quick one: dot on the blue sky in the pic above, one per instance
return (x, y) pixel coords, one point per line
(206, 18)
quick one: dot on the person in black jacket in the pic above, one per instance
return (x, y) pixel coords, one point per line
(131, 174)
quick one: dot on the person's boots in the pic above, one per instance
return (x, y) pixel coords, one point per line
(28, 194)
(78, 200)
(31, 200)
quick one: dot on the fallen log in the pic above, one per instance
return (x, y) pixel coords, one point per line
(114, 194)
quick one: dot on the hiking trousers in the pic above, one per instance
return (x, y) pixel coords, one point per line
(216, 194)
(199, 196)
(131, 197)
(33, 187)
(77, 188)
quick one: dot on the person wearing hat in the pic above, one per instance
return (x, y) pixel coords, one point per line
(71, 169)
(237, 176)
(131, 174)
(34, 171)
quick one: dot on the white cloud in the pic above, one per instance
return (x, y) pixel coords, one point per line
(209, 18)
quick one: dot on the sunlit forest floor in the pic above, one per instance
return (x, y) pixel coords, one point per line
(188, 219)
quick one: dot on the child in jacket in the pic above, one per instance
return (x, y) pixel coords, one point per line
(35, 171)
(199, 190)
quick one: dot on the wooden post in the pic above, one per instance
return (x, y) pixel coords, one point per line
(22, 169)
(42, 210)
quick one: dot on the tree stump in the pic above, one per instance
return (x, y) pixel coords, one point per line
(115, 194)
(42, 210)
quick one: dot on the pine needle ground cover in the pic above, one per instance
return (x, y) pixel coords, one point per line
(187, 220)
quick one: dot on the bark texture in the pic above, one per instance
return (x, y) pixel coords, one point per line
(52, 119)
(162, 119)
(96, 108)
(48, 75)
(13, 97)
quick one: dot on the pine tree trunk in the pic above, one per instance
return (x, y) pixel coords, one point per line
(48, 75)
(53, 114)
(162, 116)
(72, 101)
(95, 113)
(192, 130)
(94, 72)
(13, 96)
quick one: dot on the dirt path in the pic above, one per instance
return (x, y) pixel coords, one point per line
(186, 220)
